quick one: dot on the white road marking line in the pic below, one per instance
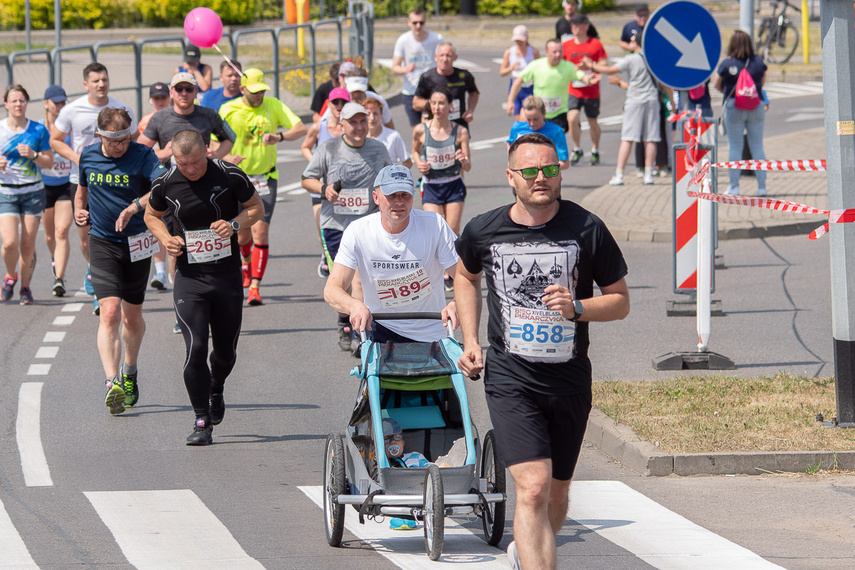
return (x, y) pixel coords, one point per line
(15, 553)
(72, 307)
(658, 536)
(47, 352)
(54, 336)
(406, 549)
(169, 529)
(28, 434)
(38, 370)
(63, 321)
(81, 293)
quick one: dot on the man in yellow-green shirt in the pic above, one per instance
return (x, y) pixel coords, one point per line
(255, 120)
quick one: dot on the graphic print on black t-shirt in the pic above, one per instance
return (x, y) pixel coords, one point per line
(522, 272)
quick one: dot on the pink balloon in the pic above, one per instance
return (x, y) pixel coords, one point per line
(203, 27)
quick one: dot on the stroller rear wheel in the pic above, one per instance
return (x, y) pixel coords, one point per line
(335, 484)
(434, 512)
(494, 513)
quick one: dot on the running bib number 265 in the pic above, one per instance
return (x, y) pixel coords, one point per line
(205, 245)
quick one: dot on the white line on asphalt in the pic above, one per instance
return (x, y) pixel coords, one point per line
(63, 321)
(660, 537)
(28, 434)
(47, 352)
(72, 307)
(169, 529)
(54, 336)
(38, 370)
(406, 549)
(15, 553)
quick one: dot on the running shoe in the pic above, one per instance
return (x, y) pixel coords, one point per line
(345, 337)
(648, 179)
(87, 283)
(323, 268)
(96, 308)
(218, 409)
(617, 180)
(253, 298)
(202, 433)
(639, 173)
(576, 156)
(115, 398)
(247, 280)
(159, 281)
(402, 524)
(26, 296)
(761, 191)
(8, 287)
(595, 157)
(176, 328)
(513, 556)
(58, 287)
(731, 191)
(132, 391)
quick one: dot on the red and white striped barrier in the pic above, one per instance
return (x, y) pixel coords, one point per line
(783, 165)
(686, 212)
(846, 216)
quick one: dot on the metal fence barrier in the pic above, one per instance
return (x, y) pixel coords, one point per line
(359, 25)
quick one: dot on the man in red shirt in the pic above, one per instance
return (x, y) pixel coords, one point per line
(580, 95)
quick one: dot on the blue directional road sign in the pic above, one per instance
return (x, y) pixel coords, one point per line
(682, 44)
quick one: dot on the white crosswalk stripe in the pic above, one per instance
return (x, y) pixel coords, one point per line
(160, 529)
(13, 551)
(406, 549)
(613, 510)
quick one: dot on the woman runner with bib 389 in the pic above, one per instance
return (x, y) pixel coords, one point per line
(441, 153)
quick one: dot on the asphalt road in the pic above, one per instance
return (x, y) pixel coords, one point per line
(119, 485)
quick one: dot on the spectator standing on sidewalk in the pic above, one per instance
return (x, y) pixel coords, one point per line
(630, 37)
(740, 55)
(514, 61)
(413, 55)
(580, 96)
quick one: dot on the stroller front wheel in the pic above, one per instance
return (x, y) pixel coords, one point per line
(434, 513)
(335, 484)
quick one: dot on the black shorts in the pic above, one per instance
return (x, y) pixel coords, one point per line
(113, 272)
(331, 240)
(60, 193)
(591, 106)
(269, 200)
(561, 121)
(530, 426)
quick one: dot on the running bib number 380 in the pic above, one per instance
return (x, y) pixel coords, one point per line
(541, 334)
(352, 202)
(404, 290)
(142, 246)
(205, 245)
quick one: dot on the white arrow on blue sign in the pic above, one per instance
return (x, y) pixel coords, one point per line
(681, 44)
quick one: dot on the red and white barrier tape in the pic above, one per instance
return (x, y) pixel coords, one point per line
(785, 165)
(834, 216)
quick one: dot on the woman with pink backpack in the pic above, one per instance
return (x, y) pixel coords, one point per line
(740, 78)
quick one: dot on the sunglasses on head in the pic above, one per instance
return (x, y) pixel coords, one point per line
(550, 171)
(184, 89)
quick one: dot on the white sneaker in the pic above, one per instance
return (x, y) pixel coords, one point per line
(732, 191)
(648, 179)
(639, 173)
(761, 191)
(159, 281)
(617, 180)
(513, 556)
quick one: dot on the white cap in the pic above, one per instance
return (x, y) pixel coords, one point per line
(355, 83)
(350, 109)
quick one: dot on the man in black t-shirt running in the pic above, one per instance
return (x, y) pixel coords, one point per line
(204, 196)
(541, 256)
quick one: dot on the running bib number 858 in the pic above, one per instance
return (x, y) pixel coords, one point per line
(544, 333)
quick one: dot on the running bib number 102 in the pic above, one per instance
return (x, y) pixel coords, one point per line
(142, 246)
(205, 245)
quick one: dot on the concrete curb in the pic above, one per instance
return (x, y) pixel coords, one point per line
(624, 446)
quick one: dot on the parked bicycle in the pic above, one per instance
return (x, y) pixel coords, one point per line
(778, 37)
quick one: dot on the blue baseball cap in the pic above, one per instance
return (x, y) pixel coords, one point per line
(56, 94)
(395, 178)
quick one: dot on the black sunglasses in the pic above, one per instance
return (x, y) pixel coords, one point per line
(187, 89)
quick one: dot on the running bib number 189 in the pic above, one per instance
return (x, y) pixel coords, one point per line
(205, 245)
(142, 246)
